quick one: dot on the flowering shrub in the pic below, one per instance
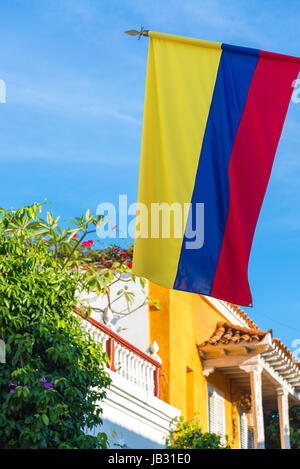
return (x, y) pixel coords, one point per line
(188, 435)
(111, 258)
(13, 387)
(102, 268)
(55, 376)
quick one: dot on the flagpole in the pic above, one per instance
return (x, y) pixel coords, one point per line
(134, 32)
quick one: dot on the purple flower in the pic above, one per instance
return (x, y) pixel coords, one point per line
(43, 379)
(48, 385)
(12, 384)
(11, 391)
(19, 388)
(196, 435)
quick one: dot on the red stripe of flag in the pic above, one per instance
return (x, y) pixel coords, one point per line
(249, 171)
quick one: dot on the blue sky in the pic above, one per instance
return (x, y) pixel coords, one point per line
(71, 126)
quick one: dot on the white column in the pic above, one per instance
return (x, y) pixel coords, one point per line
(255, 372)
(283, 407)
(257, 406)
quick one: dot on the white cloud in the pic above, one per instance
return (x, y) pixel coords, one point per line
(78, 100)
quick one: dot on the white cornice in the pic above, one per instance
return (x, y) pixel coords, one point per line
(229, 313)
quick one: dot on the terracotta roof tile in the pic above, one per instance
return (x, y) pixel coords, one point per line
(243, 315)
(226, 333)
(254, 326)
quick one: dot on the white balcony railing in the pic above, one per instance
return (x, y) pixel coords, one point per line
(125, 359)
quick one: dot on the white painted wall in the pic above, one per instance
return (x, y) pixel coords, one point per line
(133, 327)
(133, 417)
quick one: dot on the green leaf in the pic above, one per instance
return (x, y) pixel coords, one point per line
(45, 419)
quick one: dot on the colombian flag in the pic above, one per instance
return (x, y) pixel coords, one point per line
(212, 122)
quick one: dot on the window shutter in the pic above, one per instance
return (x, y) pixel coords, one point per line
(216, 413)
(243, 427)
(212, 418)
(250, 439)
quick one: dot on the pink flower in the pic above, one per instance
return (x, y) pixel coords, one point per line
(75, 235)
(88, 243)
(114, 227)
(130, 265)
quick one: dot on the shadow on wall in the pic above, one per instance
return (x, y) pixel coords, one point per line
(120, 437)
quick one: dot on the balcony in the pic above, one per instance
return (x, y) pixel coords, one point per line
(133, 414)
(125, 359)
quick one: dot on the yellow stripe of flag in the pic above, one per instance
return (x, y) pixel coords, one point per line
(180, 82)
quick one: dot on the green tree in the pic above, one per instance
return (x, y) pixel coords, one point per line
(188, 434)
(54, 378)
(272, 428)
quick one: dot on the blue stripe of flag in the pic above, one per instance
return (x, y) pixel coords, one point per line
(196, 268)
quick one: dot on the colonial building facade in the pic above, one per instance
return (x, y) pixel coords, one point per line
(217, 363)
(196, 356)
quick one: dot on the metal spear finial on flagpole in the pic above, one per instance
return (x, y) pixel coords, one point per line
(134, 32)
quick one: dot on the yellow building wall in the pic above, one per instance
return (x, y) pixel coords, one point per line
(185, 320)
